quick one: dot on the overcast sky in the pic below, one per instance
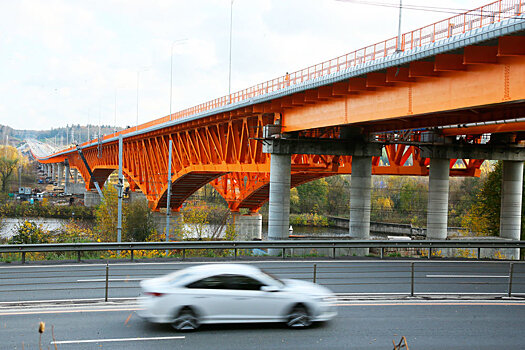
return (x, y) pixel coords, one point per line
(63, 61)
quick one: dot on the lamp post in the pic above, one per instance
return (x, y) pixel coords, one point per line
(230, 60)
(399, 48)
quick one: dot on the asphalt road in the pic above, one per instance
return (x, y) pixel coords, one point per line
(366, 278)
(360, 325)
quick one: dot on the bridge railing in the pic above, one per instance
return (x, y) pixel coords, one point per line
(459, 24)
(431, 246)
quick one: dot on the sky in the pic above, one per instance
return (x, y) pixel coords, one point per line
(66, 62)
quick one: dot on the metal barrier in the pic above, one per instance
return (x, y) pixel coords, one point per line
(431, 246)
(348, 279)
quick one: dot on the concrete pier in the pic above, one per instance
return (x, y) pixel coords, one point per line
(438, 185)
(360, 192)
(511, 194)
(60, 174)
(247, 227)
(91, 198)
(66, 182)
(279, 204)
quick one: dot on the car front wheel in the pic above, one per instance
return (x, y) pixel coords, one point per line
(299, 317)
(186, 320)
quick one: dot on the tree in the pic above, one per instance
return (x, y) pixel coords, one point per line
(10, 159)
(138, 224)
(312, 196)
(484, 215)
(106, 215)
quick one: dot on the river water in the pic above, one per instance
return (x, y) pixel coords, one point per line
(8, 228)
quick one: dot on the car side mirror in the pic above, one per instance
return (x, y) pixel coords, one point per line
(270, 288)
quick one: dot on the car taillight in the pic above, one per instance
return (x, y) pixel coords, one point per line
(154, 294)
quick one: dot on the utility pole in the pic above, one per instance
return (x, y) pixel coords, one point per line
(168, 208)
(120, 185)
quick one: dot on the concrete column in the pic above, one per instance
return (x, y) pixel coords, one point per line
(49, 170)
(511, 193)
(66, 182)
(360, 193)
(91, 198)
(75, 175)
(54, 172)
(60, 174)
(438, 184)
(279, 204)
(134, 196)
(247, 227)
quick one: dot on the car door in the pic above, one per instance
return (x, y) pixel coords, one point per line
(250, 303)
(211, 298)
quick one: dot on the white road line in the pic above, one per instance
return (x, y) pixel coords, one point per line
(113, 340)
(113, 280)
(465, 276)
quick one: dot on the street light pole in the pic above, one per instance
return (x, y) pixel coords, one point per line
(399, 48)
(230, 60)
(137, 127)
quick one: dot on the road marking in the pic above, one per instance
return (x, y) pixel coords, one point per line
(419, 303)
(465, 276)
(114, 280)
(63, 311)
(112, 340)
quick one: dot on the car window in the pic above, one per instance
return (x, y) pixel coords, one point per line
(212, 282)
(239, 282)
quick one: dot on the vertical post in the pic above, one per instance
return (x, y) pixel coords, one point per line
(399, 47)
(120, 185)
(429, 253)
(168, 208)
(183, 254)
(382, 252)
(78, 255)
(23, 257)
(511, 272)
(333, 252)
(131, 254)
(235, 254)
(411, 279)
(107, 281)
(284, 253)
(479, 253)
(315, 273)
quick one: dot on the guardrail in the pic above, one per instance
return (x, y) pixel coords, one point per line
(427, 279)
(430, 245)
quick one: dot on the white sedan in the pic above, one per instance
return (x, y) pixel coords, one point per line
(232, 293)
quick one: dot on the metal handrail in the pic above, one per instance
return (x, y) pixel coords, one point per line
(284, 244)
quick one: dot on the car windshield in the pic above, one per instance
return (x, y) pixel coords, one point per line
(176, 277)
(277, 280)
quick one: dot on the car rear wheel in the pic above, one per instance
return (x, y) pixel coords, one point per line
(299, 317)
(186, 320)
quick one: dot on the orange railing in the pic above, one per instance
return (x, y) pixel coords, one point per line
(459, 24)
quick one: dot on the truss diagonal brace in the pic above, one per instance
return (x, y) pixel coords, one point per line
(81, 154)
